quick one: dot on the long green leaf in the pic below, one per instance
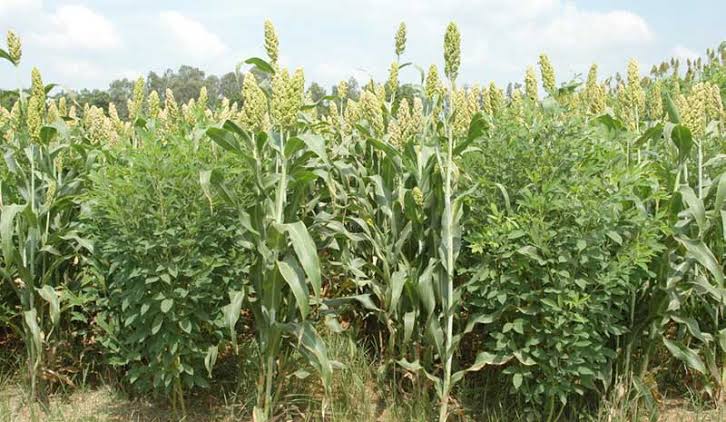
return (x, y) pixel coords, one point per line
(306, 251)
(688, 356)
(295, 279)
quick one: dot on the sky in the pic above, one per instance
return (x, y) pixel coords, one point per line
(87, 44)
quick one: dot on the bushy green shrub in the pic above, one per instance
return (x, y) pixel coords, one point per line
(556, 262)
(170, 254)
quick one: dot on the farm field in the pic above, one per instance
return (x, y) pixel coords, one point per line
(548, 250)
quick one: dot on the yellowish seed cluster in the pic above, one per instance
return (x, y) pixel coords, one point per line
(119, 125)
(154, 104)
(254, 110)
(392, 83)
(598, 100)
(654, 103)
(99, 129)
(136, 102)
(287, 97)
(714, 105)
(202, 102)
(496, 98)
(548, 74)
(418, 196)
(4, 116)
(700, 107)
(452, 51)
(37, 90)
(371, 108)
(333, 117)
(417, 115)
(401, 39)
(342, 89)
(517, 106)
(473, 100)
(50, 191)
(170, 115)
(395, 134)
(631, 97)
(461, 116)
(52, 114)
(486, 101)
(351, 116)
(15, 48)
(62, 106)
(530, 84)
(271, 41)
(224, 110)
(189, 112)
(592, 98)
(407, 123)
(33, 118)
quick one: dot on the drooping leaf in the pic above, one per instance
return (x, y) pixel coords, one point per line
(306, 251)
(688, 356)
(296, 281)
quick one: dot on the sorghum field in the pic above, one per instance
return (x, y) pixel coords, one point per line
(433, 251)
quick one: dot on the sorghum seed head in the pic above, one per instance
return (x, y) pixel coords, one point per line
(401, 39)
(433, 83)
(271, 41)
(15, 47)
(548, 74)
(452, 51)
(530, 84)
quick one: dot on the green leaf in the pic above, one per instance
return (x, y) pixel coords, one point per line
(210, 359)
(313, 347)
(224, 138)
(720, 200)
(49, 295)
(398, 279)
(5, 55)
(517, 380)
(231, 314)
(156, 325)
(409, 319)
(697, 249)
(261, 64)
(7, 231)
(682, 138)
(722, 340)
(295, 279)
(672, 109)
(609, 122)
(482, 359)
(688, 356)
(47, 133)
(692, 326)
(316, 144)
(306, 251)
(652, 133)
(166, 305)
(695, 206)
(36, 336)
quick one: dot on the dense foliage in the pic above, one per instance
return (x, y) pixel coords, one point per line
(168, 255)
(563, 244)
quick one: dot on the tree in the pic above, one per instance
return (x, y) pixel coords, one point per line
(316, 93)
(230, 86)
(119, 92)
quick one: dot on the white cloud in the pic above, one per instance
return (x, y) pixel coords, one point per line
(585, 30)
(78, 69)
(78, 27)
(193, 37)
(683, 53)
(10, 7)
